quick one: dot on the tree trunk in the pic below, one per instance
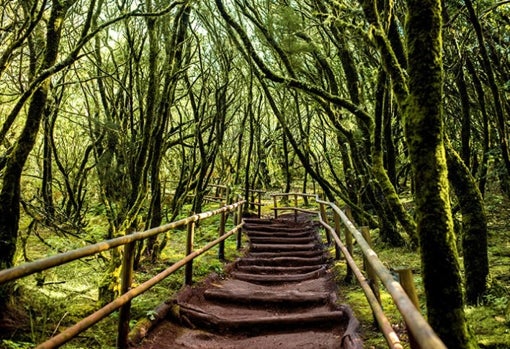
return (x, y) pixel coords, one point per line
(424, 134)
(249, 155)
(483, 167)
(174, 59)
(388, 189)
(10, 193)
(465, 134)
(47, 177)
(474, 227)
(496, 95)
(390, 154)
(286, 165)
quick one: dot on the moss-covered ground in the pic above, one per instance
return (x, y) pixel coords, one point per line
(55, 299)
(489, 321)
(50, 301)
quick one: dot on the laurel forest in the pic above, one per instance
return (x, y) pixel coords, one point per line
(120, 116)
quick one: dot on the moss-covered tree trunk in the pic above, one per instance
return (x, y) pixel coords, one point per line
(424, 133)
(394, 71)
(11, 186)
(474, 227)
(499, 111)
(486, 135)
(380, 173)
(174, 59)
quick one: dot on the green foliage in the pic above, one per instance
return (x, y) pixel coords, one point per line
(151, 314)
(488, 321)
(110, 122)
(491, 321)
(10, 344)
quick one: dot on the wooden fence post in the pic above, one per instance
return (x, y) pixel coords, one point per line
(275, 203)
(188, 273)
(406, 280)
(325, 219)
(126, 281)
(371, 274)
(348, 243)
(373, 280)
(338, 230)
(221, 245)
(227, 195)
(238, 220)
(259, 195)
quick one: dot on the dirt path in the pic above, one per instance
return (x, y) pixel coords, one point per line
(280, 295)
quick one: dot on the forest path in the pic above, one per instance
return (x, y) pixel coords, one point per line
(280, 295)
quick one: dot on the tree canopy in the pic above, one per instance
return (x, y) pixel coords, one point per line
(122, 109)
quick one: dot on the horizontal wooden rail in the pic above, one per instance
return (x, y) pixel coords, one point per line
(294, 194)
(63, 258)
(224, 192)
(417, 325)
(294, 208)
(100, 314)
(289, 208)
(384, 324)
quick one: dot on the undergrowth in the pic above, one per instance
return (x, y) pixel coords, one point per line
(489, 321)
(55, 299)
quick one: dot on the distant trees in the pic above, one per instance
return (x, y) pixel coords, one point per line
(47, 85)
(314, 56)
(39, 89)
(135, 70)
(126, 109)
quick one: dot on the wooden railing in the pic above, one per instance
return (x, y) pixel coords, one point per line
(218, 193)
(222, 194)
(255, 200)
(128, 293)
(420, 333)
(294, 197)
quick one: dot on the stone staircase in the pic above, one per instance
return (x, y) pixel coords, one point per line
(280, 295)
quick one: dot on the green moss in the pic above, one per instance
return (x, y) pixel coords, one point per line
(489, 321)
(490, 324)
(393, 199)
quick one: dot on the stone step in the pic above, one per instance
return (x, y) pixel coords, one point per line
(278, 278)
(261, 269)
(175, 338)
(262, 323)
(303, 254)
(257, 221)
(282, 247)
(278, 228)
(283, 261)
(287, 298)
(282, 240)
(283, 234)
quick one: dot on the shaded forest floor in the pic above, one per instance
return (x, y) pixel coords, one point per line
(489, 321)
(53, 300)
